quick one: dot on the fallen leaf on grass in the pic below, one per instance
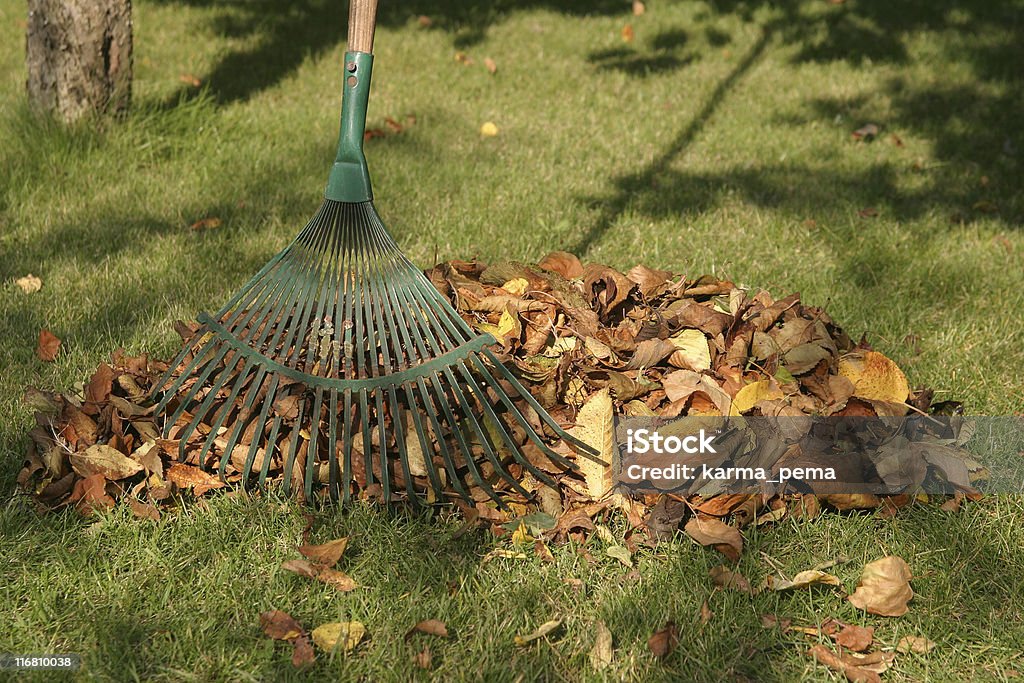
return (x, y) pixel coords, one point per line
(856, 638)
(48, 346)
(190, 79)
(331, 577)
(488, 130)
(868, 212)
(867, 132)
(620, 553)
(491, 66)
(595, 428)
(601, 653)
(326, 554)
(280, 625)
(853, 672)
(30, 284)
(638, 8)
(726, 578)
(884, 587)
(809, 577)
(143, 510)
(431, 627)
(206, 224)
(627, 33)
(423, 660)
(542, 630)
(918, 644)
(340, 635)
(663, 642)
(712, 531)
(705, 613)
(102, 459)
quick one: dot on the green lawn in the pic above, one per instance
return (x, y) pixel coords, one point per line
(718, 140)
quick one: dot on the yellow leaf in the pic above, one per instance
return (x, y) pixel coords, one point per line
(488, 130)
(594, 428)
(29, 284)
(918, 644)
(601, 654)
(542, 630)
(747, 397)
(521, 537)
(693, 350)
(884, 587)
(343, 635)
(516, 286)
(874, 377)
(507, 324)
(804, 579)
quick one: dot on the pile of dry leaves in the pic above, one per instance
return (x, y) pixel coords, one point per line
(589, 342)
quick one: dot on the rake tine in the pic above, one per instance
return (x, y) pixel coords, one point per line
(332, 445)
(485, 441)
(221, 415)
(271, 445)
(245, 417)
(403, 452)
(204, 407)
(500, 427)
(364, 423)
(453, 424)
(453, 471)
(588, 451)
(250, 457)
(293, 450)
(314, 429)
(425, 444)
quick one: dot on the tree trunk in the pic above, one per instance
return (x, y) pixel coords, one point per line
(79, 56)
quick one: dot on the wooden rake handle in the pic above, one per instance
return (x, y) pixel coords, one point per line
(362, 20)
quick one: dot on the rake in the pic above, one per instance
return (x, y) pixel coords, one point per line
(340, 361)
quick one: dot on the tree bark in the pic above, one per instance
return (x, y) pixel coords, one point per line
(79, 57)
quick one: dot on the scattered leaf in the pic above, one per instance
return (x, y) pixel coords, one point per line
(663, 642)
(884, 587)
(488, 130)
(326, 554)
(491, 66)
(542, 630)
(30, 284)
(918, 644)
(627, 33)
(726, 578)
(280, 625)
(431, 627)
(713, 531)
(856, 638)
(620, 553)
(208, 223)
(601, 653)
(853, 673)
(190, 79)
(867, 132)
(809, 577)
(48, 346)
(423, 660)
(340, 635)
(332, 577)
(638, 8)
(187, 476)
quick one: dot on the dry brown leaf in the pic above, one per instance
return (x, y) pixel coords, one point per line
(208, 223)
(663, 642)
(809, 577)
(854, 674)
(563, 263)
(884, 587)
(601, 654)
(712, 531)
(48, 346)
(143, 510)
(491, 66)
(627, 33)
(727, 578)
(104, 460)
(30, 284)
(332, 577)
(856, 638)
(423, 660)
(326, 554)
(638, 8)
(280, 625)
(431, 627)
(186, 476)
(918, 644)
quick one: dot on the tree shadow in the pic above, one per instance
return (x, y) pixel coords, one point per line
(284, 33)
(667, 51)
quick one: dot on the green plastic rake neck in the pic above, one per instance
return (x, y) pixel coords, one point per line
(340, 365)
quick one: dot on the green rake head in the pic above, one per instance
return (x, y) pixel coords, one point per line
(340, 364)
